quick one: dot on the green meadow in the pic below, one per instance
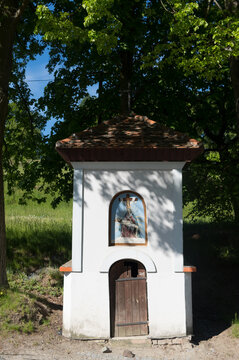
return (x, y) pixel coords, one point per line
(37, 234)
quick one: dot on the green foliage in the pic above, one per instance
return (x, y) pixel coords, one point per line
(178, 70)
(60, 28)
(22, 133)
(201, 40)
(205, 190)
(107, 37)
(23, 141)
(188, 36)
(214, 242)
(45, 281)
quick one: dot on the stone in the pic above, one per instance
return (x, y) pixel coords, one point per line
(128, 354)
(105, 350)
(176, 341)
(163, 342)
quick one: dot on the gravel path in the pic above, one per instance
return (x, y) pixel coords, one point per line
(47, 345)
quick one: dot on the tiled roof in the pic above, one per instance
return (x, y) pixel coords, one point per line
(134, 138)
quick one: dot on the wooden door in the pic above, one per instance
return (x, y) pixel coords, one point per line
(128, 299)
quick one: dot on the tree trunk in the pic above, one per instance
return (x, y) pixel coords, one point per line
(125, 81)
(3, 274)
(232, 7)
(100, 96)
(234, 67)
(10, 16)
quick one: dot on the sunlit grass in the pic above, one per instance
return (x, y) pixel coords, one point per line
(235, 327)
(37, 234)
(32, 208)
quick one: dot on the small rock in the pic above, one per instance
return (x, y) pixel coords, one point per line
(105, 350)
(128, 353)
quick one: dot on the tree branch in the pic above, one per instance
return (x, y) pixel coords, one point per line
(31, 120)
(8, 157)
(216, 138)
(170, 12)
(21, 9)
(208, 7)
(218, 5)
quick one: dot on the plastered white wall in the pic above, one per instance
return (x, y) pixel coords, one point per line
(86, 292)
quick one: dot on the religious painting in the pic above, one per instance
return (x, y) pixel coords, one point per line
(128, 219)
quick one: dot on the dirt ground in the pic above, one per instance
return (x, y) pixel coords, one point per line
(48, 344)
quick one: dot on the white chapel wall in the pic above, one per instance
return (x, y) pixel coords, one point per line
(160, 186)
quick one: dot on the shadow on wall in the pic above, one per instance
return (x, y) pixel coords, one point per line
(158, 190)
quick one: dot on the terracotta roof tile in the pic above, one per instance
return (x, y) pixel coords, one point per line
(142, 138)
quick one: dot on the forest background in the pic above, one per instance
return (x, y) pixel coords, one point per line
(175, 61)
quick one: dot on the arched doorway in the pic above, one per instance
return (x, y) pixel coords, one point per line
(128, 299)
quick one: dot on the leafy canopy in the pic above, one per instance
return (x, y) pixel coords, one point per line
(202, 39)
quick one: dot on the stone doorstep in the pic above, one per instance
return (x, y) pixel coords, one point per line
(129, 339)
(141, 340)
(132, 339)
(97, 340)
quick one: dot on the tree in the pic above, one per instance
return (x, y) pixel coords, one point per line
(179, 67)
(11, 12)
(20, 125)
(85, 53)
(204, 42)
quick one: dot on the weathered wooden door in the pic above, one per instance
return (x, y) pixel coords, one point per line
(128, 299)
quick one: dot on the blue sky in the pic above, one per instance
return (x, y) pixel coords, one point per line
(37, 78)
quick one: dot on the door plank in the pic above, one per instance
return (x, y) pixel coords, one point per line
(129, 314)
(135, 306)
(142, 305)
(121, 307)
(128, 307)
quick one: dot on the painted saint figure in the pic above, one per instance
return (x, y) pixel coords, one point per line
(129, 226)
(127, 219)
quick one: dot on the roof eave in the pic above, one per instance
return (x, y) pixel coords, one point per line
(129, 154)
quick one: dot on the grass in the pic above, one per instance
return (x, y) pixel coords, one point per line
(38, 241)
(23, 307)
(37, 234)
(46, 281)
(235, 327)
(15, 309)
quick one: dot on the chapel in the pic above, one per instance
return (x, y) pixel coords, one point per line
(127, 275)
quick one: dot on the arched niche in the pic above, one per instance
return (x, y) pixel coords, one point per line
(127, 219)
(132, 253)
